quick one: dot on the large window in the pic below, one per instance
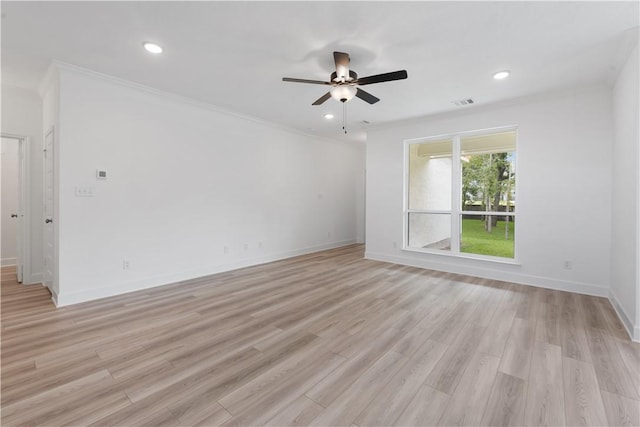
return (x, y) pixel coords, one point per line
(466, 206)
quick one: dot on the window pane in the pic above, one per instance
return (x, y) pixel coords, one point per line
(488, 235)
(430, 231)
(430, 175)
(488, 172)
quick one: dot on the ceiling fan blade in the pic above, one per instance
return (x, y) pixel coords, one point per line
(385, 77)
(316, 82)
(366, 96)
(322, 98)
(342, 64)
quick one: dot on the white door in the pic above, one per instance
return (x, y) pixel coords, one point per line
(48, 211)
(11, 204)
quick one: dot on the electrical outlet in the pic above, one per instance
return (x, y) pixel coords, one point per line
(328, 234)
(260, 245)
(125, 264)
(568, 265)
(246, 247)
(395, 245)
(225, 249)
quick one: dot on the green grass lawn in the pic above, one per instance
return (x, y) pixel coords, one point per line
(476, 240)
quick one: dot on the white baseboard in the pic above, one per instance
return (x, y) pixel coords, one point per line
(63, 299)
(487, 273)
(632, 330)
(7, 262)
(54, 297)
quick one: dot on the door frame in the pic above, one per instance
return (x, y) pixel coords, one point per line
(23, 263)
(52, 286)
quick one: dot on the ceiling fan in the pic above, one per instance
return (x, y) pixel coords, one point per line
(345, 82)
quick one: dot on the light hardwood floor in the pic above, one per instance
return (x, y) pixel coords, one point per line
(323, 339)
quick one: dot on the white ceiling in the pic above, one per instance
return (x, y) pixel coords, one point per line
(234, 54)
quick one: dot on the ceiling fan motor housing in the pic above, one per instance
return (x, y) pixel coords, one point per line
(352, 76)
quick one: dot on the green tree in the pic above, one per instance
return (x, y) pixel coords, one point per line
(471, 188)
(486, 178)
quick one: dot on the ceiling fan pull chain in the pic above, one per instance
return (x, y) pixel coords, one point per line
(344, 117)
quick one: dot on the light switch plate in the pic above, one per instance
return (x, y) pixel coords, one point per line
(84, 191)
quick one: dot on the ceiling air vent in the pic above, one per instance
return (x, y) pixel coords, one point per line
(465, 101)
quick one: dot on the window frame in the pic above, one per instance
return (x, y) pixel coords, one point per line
(456, 211)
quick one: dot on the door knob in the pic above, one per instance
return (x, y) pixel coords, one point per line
(14, 215)
(48, 220)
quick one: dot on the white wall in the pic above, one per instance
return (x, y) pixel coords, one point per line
(22, 115)
(10, 201)
(564, 189)
(359, 189)
(184, 182)
(625, 282)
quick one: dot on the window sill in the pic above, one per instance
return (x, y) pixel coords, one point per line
(493, 259)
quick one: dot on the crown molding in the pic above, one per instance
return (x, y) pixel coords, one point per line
(66, 67)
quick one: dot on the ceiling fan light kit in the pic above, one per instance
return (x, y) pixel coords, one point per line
(343, 93)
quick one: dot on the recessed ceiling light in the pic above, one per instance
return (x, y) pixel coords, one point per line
(501, 75)
(328, 116)
(152, 47)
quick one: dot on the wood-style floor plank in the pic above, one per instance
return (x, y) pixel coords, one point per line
(327, 390)
(495, 338)
(277, 394)
(449, 369)
(506, 402)
(516, 358)
(300, 412)
(344, 409)
(548, 324)
(545, 398)
(468, 403)
(392, 400)
(630, 352)
(611, 371)
(620, 410)
(582, 397)
(327, 338)
(573, 340)
(425, 409)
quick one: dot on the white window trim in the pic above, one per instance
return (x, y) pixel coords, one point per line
(456, 197)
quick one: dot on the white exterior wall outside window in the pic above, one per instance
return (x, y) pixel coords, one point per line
(449, 205)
